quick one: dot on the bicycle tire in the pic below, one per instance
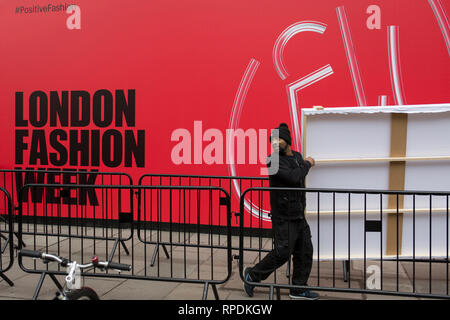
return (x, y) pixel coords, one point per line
(84, 293)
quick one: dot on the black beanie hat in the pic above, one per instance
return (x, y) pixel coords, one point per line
(284, 133)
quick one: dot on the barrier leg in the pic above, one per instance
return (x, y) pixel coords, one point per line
(271, 293)
(113, 250)
(8, 281)
(216, 294)
(346, 267)
(39, 286)
(60, 288)
(205, 291)
(278, 294)
(5, 244)
(288, 269)
(165, 251)
(125, 247)
(23, 245)
(41, 282)
(155, 252)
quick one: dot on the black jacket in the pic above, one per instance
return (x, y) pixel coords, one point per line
(288, 205)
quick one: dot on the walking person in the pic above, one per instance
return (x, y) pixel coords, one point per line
(292, 235)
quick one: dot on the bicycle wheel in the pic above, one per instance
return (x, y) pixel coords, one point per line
(84, 293)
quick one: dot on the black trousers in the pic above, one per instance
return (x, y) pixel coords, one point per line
(290, 238)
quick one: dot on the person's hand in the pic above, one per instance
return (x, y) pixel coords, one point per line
(311, 160)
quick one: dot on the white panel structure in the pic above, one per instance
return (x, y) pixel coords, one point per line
(351, 147)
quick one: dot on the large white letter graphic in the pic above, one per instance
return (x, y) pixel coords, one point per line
(238, 105)
(442, 20)
(294, 87)
(292, 90)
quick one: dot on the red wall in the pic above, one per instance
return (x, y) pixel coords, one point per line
(185, 61)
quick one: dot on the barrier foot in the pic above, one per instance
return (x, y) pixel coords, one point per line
(8, 281)
(39, 286)
(271, 293)
(155, 252)
(346, 268)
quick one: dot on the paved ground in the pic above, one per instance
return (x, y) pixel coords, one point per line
(205, 263)
(121, 289)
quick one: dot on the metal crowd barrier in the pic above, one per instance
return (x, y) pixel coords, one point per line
(6, 235)
(234, 186)
(56, 219)
(389, 242)
(15, 180)
(79, 231)
(192, 219)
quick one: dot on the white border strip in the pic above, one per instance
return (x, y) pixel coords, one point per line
(421, 108)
